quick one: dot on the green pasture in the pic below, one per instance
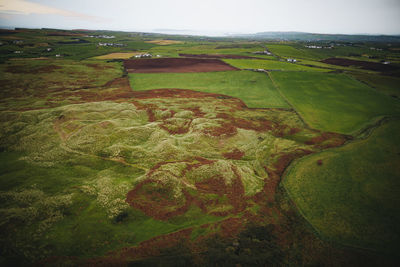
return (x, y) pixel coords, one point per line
(288, 51)
(352, 196)
(255, 89)
(389, 85)
(298, 50)
(334, 102)
(269, 65)
(175, 50)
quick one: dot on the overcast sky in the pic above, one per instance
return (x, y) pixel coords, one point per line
(218, 16)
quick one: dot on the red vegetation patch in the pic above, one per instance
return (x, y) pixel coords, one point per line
(120, 91)
(328, 140)
(197, 112)
(185, 93)
(367, 65)
(99, 66)
(231, 227)
(234, 154)
(201, 162)
(149, 248)
(25, 70)
(215, 56)
(175, 65)
(225, 129)
(319, 162)
(157, 199)
(175, 129)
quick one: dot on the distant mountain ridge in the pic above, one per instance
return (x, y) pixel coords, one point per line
(312, 37)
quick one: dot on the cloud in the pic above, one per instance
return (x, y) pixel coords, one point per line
(23, 7)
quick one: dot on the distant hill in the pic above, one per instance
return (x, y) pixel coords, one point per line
(305, 36)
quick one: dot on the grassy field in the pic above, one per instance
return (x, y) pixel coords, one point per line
(352, 196)
(288, 51)
(334, 102)
(255, 89)
(389, 85)
(269, 65)
(118, 55)
(175, 50)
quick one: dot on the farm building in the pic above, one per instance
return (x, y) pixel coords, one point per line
(146, 55)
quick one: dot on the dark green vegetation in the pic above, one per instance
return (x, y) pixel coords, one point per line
(101, 167)
(389, 85)
(334, 102)
(352, 195)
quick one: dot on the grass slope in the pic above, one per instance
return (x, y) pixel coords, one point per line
(255, 89)
(333, 102)
(352, 197)
(389, 85)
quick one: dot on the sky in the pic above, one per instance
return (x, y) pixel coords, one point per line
(212, 17)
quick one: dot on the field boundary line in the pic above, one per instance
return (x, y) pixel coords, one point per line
(286, 100)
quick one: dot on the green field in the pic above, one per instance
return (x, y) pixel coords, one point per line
(334, 102)
(389, 85)
(269, 65)
(255, 89)
(201, 48)
(352, 196)
(288, 51)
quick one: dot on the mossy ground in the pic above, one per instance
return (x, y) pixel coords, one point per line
(95, 173)
(209, 157)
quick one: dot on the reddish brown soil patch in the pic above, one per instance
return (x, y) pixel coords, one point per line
(234, 154)
(231, 227)
(367, 65)
(121, 92)
(149, 248)
(25, 69)
(156, 198)
(175, 65)
(197, 112)
(98, 66)
(225, 129)
(328, 140)
(215, 56)
(236, 103)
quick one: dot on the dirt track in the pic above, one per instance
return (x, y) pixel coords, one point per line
(175, 65)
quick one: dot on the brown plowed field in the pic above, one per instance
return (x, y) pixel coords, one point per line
(216, 56)
(175, 65)
(345, 62)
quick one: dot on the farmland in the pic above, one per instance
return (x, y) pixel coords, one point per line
(336, 102)
(270, 65)
(235, 84)
(191, 158)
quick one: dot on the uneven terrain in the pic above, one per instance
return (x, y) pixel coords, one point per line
(194, 158)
